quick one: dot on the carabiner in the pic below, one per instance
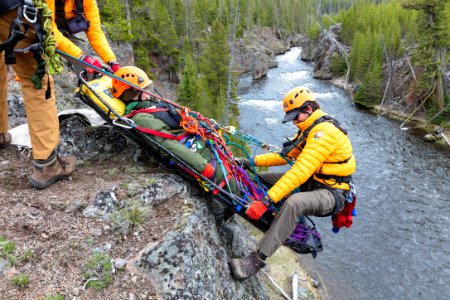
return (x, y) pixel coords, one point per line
(129, 123)
(28, 8)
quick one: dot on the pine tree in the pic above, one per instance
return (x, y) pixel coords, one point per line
(370, 92)
(114, 18)
(434, 39)
(214, 67)
(189, 89)
(167, 35)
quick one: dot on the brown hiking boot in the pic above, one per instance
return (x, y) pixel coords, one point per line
(47, 172)
(247, 266)
(5, 139)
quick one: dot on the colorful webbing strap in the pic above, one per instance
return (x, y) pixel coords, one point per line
(145, 110)
(152, 131)
(161, 134)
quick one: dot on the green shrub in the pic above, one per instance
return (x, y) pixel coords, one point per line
(22, 280)
(442, 117)
(26, 256)
(6, 247)
(98, 271)
(338, 65)
(314, 31)
(136, 215)
(11, 259)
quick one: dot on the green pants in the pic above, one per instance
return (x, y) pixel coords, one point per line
(193, 159)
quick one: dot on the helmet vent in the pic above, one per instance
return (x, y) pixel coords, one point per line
(296, 95)
(291, 101)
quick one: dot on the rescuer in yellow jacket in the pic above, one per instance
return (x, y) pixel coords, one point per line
(322, 165)
(73, 16)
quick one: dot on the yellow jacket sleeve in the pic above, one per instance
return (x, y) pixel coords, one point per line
(96, 37)
(269, 160)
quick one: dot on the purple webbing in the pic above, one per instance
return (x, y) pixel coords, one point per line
(254, 191)
(301, 233)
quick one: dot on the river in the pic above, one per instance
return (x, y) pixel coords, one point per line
(399, 244)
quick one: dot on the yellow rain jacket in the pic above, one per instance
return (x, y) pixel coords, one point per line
(95, 34)
(326, 146)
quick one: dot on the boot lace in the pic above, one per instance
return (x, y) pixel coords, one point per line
(61, 161)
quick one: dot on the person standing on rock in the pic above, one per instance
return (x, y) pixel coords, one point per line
(27, 44)
(74, 16)
(323, 166)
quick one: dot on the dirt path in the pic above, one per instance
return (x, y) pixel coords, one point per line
(54, 241)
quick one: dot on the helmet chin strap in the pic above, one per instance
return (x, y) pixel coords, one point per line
(305, 111)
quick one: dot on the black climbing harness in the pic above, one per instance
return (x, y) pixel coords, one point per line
(27, 15)
(75, 25)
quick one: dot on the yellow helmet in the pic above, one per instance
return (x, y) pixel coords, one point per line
(294, 100)
(131, 74)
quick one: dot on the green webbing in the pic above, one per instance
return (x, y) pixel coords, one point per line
(49, 55)
(40, 71)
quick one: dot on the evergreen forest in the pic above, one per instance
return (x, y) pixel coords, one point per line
(192, 41)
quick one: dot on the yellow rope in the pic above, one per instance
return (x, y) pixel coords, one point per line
(49, 55)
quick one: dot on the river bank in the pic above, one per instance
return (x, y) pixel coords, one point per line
(398, 98)
(429, 132)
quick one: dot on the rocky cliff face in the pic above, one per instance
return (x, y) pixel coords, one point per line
(323, 51)
(255, 52)
(191, 260)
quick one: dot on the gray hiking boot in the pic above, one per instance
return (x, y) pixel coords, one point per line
(247, 266)
(5, 139)
(47, 172)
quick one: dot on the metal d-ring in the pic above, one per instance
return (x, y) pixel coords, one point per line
(28, 8)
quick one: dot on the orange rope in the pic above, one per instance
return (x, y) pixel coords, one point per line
(189, 124)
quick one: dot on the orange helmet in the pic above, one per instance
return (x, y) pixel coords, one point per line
(294, 100)
(131, 74)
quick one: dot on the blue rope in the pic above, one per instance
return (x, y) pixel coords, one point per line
(224, 171)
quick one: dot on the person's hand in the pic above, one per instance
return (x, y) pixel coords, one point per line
(257, 208)
(114, 66)
(244, 162)
(92, 61)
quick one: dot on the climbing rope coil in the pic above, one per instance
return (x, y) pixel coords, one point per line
(49, 54)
